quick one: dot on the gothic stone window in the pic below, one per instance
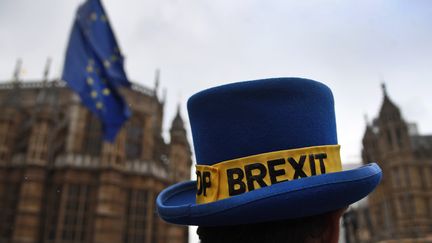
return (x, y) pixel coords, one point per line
(7, 210)
(405, 177)
(399, 138)
(399, 203)
(39, 140)
(414, 174)
(52, 212)
(155, 230)
(23, 136)
(396, 178)
(136, 216)
(76, 213)
(92, 143)
(5, 143)
(389, 139)
(134, 139)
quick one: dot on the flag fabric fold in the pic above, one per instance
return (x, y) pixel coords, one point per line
(93, 67)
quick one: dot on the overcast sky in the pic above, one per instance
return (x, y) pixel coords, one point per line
(349, 45)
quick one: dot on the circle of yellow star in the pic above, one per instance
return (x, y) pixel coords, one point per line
(93, 16)
(106, 91)
(94, 94)
(90, 81)
(99, 105)
(107, 63)
(89, 68)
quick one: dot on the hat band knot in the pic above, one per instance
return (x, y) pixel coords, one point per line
(238, 176)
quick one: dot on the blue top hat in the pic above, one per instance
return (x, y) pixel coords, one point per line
(266, 150)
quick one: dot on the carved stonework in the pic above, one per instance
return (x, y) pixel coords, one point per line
(59, 182)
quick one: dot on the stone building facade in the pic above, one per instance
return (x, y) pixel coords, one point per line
(401, 207)
(59, 182)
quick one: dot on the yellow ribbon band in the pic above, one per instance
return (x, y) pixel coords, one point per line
(237, 176)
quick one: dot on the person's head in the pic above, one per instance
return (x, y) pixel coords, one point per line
(268, 165)
(323, 228)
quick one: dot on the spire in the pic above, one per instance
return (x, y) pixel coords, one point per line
(366, 119)
(47, 94)
(388, 111)
(164, 95)
(157, 79)
(178, 110)
(13, 97)
(17, 71)
(178, 120)
(47, 69)
(178, 131)
(156, 82)
(384, 89)
(179, 98)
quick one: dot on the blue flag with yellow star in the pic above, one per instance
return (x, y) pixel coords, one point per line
(94, 67)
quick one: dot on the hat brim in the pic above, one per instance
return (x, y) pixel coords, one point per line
(292, 199)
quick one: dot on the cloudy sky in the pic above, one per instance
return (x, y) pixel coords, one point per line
(352, 46)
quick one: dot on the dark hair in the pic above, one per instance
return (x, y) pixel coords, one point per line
(292, 230)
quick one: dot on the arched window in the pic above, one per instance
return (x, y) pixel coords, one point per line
(134, 138)
(23, 135)
(10, 197)
(399, 138)
(52, 212)
(6, 130)
(396, 178)
(389, 139)
(136, 216)
(77, 213)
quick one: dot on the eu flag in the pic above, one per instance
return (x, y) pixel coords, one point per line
(94, 67)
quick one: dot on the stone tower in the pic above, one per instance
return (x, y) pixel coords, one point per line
(179, 153)
(401, 206)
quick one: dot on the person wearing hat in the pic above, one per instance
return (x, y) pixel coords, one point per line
(268, 165)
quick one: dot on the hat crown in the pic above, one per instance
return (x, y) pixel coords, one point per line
(253, 117)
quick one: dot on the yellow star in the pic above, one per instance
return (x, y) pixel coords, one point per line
(93, 16)
(106, 91)
(113, 58)
(90, 68)
(104, 18)
(94, 94)
(90, 81)
(99, 105)
(107, 63)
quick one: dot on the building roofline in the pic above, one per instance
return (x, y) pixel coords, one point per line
(61, 84)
